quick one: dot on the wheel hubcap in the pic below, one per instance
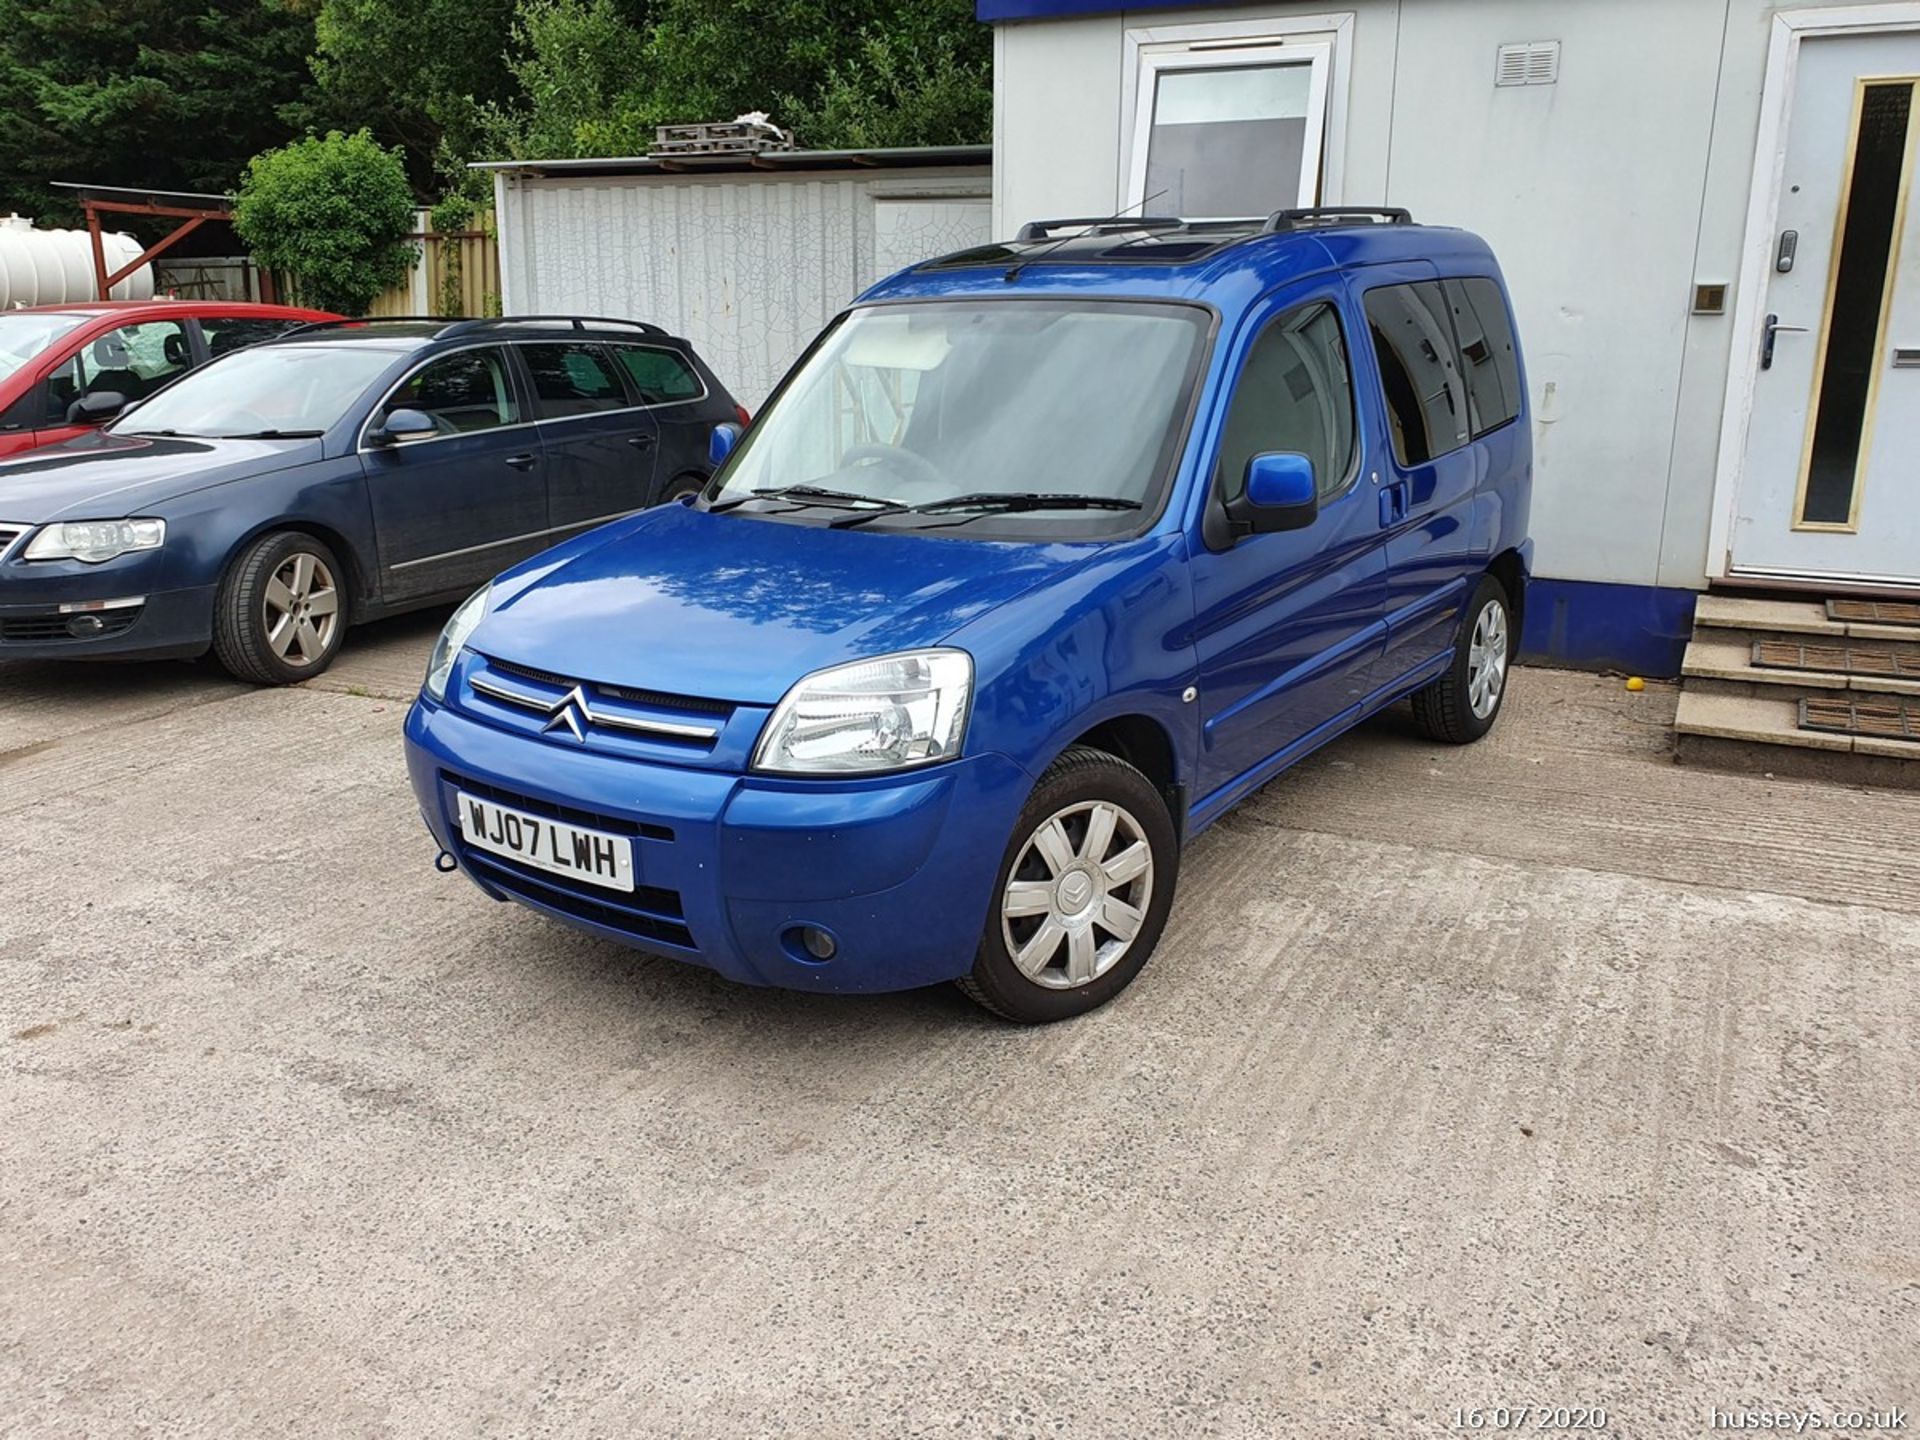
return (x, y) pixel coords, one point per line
(301, 610)
(1487, 659)
(1077, 895)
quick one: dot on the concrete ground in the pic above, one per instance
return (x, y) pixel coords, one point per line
(1537, 1073)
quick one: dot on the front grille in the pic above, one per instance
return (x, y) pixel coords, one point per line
(692, 704)
(22, 629)
(611, 718)
(648, 913)
(9, 534)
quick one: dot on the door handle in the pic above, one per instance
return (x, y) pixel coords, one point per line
(1772, 328)
(640, 442)
(1394, 502)
(522, 462)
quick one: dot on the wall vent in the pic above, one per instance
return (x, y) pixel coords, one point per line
(1536, 62)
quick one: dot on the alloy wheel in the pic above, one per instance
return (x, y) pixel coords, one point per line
(301, 609)
(1077, 894)
(1487, 659)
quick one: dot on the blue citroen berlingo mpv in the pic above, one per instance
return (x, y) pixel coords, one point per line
(1042, 557)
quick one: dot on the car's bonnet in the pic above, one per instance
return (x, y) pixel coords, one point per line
(102, 476)
(731, 608)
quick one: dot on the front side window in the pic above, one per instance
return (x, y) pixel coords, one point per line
(133, 361)
(1229, 132)
(465, 391)
(278, 390)
(1294, 393)
(1413, 341)
(1485, 332)
(572, 380)
(659, 376)
(905, 409)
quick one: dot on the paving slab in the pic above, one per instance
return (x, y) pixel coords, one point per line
(1539, 1070)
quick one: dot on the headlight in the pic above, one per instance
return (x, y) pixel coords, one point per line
(881, 714)
(96, 540)
(446, 649)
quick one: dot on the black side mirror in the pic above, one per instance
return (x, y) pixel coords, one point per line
(96, 408)
(399, 427)
(1282, 494)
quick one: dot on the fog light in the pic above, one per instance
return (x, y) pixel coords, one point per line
(83, 627)
(810, 942)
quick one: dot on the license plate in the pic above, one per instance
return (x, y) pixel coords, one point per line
(551, 845)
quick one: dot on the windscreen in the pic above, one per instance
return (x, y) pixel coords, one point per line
(23, 338)
(918, 404)
(287, 390)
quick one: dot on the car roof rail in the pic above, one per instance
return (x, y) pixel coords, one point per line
(1334, 214)
(558, 322)
(308, 326)
(1043, 229)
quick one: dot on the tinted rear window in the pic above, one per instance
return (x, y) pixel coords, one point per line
(1492, 369)
(572, 380)
(661, 376)
(1419, 370)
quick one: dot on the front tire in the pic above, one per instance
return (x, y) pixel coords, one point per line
(281, 612)
(1081, 895)
(1462, 704)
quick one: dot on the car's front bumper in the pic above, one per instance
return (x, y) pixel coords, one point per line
(35, 626)
(898, 869)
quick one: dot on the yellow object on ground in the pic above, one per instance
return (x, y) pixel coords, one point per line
(1634, 682)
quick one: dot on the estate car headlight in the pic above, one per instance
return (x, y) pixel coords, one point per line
(461, 624)
(886, 713)
(94, 541)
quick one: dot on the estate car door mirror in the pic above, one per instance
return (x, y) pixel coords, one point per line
(401, 426)
(720, 444)
(1281, 494)
(96, 408)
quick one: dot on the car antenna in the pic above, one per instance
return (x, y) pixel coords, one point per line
(1013, 270)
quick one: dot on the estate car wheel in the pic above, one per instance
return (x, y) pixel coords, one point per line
(1463, 703)
(681, 486)
(281, 611)
(1082, 893)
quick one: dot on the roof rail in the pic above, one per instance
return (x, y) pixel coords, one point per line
(576, 322)
(345, 320)
(464, 325)
(1040, 229)
(1378, 214)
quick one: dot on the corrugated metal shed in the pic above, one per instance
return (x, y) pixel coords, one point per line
(746, 257)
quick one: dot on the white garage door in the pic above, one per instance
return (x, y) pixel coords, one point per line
(906, 231)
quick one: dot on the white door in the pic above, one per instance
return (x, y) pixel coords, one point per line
(1830, 476)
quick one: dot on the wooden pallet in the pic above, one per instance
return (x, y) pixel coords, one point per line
(730, 137)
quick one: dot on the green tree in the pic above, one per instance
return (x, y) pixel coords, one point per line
(334, 212)
(172, 94)
(594, 79)
(419, 73)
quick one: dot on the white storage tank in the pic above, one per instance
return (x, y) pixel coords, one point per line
(55, 267)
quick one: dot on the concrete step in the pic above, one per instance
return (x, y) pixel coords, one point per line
(1760, 731)
(1788, 617)
(1720, 661)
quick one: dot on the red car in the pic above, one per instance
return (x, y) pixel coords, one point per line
(60, 365)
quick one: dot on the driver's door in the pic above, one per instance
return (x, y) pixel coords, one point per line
(451, 510)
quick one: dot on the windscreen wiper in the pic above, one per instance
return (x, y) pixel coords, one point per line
(990, 502)
(809, 494)
(272, 435)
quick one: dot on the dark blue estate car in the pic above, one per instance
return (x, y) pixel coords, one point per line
(260, 504)
(1042, 558)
